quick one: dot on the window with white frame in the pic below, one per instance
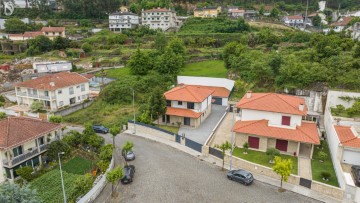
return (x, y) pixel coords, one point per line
(71, 90)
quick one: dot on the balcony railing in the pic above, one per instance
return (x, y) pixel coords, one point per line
(36, 96)
(32, 95)
(21, 93)
(44, 147)
(21, 158)
(44, 97)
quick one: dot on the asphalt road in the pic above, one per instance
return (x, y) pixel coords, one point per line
(165, 174)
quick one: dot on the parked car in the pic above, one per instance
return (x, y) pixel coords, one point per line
(355, 170)
(129, 172)
(100, 129)
(241, 176)
(129, 156)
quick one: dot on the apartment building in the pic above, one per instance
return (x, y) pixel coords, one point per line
(160, 18)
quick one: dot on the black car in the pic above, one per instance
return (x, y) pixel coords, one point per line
(355, 170)
(129, 172)
(100, 129)
(241, 176)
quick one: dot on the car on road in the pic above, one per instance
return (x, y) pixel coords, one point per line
(129, 156)
(241, 176)
(129, 172)
(100, 129)
(355, 170)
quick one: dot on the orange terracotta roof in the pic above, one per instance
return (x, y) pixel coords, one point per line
(182, 112)
(273, 102)
(306, 133)
(237, 11)
(54, 81)
(347, 137)
(53, 29)
(188, 93)
(15, 131)
(33, 34)
(345, 21)
(158, 10)
(16, 35)
(218, 91)
(88, 75)
(295, 17)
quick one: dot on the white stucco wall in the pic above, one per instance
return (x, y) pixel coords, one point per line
(198, 107)
(333, 98)
(274, 118)
(225, 101)
(206, 81)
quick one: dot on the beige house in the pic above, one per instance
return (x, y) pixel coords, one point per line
(187, 105)
(269, 120)
(23, 141)
(207, 12)
(52, 32)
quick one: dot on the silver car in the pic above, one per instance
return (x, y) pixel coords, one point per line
(130, 156)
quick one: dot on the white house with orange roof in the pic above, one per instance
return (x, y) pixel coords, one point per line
(187, 105)
(270, 120)
(159, 18)
(55, 91)
(348, 149)
(222, 87)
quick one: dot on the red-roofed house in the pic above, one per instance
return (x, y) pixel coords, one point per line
(348, 149)
(52, 32)
(293, 20)
(187, 105)
(22, 143)
(55, 90)
(341, 24)
(270, 120)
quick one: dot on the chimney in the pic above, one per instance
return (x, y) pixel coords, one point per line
(52, 84)
(248, 94)
(301, 107)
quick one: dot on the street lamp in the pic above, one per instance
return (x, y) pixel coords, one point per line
(134, 109)
(62, 179)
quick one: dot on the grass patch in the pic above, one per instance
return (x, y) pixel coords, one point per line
(103, 113)
(49, 185)
(263, 159)
(317, 167)
(214, 68)
(172, 129)
(78, 165)
(336, 112)
(117, 72)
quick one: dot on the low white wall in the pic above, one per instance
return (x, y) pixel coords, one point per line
(97, 189)
(333, 98)
(150, 131)
(9, 112)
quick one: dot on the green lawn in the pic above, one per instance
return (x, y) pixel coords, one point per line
(263, 159)
(78, 165)
(117, 72)
(172, 129)
(214, 68)
(317, 167)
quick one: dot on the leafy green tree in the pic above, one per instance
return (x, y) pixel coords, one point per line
(103, 165)
(55, 119)
(25, 172)
(322, 156)
(356, 53)
(61, 43)
(128, 145)
(177, 46)
(262, 10)
(354, 109)
(73, 138)
(272, 153)
(139, 63)
(232, 49)
(157, 104)
(160, 41)
(57, 147)
(114, 176)
(316, 20)
(169, 63)
(86, 47)
(37, 106)
(283, 168)
(95, 142)
(246, 147)
(106, 152)
(15, 25)
(41, 43)
(275, 12)
(114, 131)
(13, 193)
(83, 184)
(2, 115)
(224, 146)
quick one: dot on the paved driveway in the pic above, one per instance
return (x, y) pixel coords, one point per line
(201, 133)
(164, 174)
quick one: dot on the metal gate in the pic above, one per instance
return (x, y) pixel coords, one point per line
(178, 137)
(305, 182)
(215, 152)
(193, 145)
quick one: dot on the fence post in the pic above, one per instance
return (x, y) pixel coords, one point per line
(205, 150)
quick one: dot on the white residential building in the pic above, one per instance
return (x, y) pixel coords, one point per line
(355, 31)
(293, 20)
(52, 66)
(23, 141)
(55, 91)
(122, 20)
(341, 24)
(160, 18)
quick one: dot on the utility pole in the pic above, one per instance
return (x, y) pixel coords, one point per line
(307, 6)
(62, 179)
(134, 110)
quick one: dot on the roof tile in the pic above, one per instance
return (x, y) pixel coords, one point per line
(188, 93)
(182, 112)
(347, 137)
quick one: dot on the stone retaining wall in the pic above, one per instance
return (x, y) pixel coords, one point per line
(328, 190)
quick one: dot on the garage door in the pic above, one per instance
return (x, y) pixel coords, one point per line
(253, 142)
(217, 100)
(282, 145)
(351, 157)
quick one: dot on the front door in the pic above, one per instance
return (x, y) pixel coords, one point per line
(186, 121)
(254, 142)
(282, 145)
(167, 119)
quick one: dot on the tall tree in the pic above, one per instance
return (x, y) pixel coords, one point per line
(114, 131)
(13, 193)
(224, 146)
(169, 63)
(157, 104)
(114, 176)
(15, 25)
(316, 21)
(160, 41)
(283, 168)
(139, 63)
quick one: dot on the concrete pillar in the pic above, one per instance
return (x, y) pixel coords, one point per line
(298, 149)
(40, 159)
(312, 150)
(205, 150)
(8, 157)
(12, 174)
